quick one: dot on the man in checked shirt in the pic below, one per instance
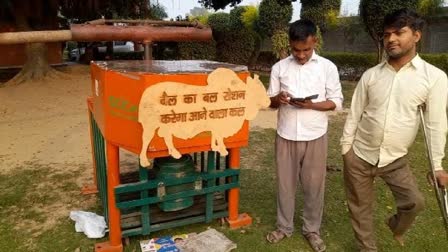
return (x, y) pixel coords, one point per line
(382, 124)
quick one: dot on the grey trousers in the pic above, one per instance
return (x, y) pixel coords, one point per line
(304, 162)
(359, 177)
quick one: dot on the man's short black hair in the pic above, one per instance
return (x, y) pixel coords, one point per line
(404, 17)
(301, 29)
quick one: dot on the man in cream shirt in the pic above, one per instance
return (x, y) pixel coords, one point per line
(301, 143)
(382, 124)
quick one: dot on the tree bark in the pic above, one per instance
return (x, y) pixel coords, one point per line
(379, 52)
(36, 66)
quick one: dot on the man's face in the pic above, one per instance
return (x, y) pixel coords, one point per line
(303, 50)
(400, 42)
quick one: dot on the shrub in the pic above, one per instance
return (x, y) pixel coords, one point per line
(234, 44)
(250, 17)
(197, 50)
(219, 22)
(70, 45)
(351, 65)
(236, 18)
(164, 50)
(273, 16)
(237, 48)
(265, 60)
(438, 60)
(280, 44)
(343, 59)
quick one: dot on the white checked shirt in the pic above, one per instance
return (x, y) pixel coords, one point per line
(317, 76)
(384, 120)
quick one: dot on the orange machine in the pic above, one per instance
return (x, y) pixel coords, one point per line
(116, 91)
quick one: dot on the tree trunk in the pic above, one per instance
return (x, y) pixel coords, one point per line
(36, 66)
(257, 47)
(379, 52)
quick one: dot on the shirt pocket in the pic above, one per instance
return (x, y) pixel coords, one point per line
(286, 84)
(315, 83)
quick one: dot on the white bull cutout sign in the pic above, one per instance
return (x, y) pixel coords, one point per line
(183, 110)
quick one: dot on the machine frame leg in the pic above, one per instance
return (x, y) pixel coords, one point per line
(113, 179)
(235, 219)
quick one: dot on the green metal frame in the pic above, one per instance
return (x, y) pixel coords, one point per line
(99, 152)
(209, 187)
(214, 179)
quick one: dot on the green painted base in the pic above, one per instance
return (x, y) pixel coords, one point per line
(176, 205)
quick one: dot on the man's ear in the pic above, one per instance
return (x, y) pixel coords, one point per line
(417, 36)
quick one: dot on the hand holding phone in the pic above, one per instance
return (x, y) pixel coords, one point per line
(294, 99)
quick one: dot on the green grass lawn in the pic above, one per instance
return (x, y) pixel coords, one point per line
(20, 191)
(32, 186)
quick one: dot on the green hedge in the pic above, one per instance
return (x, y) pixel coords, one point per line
(219, 22)
(237, 48)
(233, 44)
(197, 50)
(352, 65)
(438, 60)
(357, 60)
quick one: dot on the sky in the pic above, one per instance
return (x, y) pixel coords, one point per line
(181, 7)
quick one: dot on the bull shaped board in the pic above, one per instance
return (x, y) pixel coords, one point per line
(182, 110)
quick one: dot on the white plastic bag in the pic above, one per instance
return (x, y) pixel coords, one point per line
(93, 225)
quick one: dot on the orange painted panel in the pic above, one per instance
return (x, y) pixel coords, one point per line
(116, 97)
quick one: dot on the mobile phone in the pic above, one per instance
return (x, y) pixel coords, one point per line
(304, 99)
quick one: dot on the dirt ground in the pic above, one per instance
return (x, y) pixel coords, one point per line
(47, 121)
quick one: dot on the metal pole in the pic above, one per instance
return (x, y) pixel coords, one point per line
(148, 51)
(441, 192)
(35, 37)
(88, 32)
(147, 22)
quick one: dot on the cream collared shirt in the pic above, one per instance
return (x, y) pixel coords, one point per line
(383, 120)
(317, 76)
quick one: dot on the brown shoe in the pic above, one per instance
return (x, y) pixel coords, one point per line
(316, 243)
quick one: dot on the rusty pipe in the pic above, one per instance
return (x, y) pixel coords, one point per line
(193, 23)
(35, 36)
(89, 32)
